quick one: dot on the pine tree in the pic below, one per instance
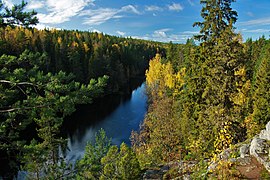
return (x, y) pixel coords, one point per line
(90, 166)
(121, 164)
(17, 16)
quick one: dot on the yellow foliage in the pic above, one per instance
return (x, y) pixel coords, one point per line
(242, 96)
(59, 40)
(160, 77)
(74, 44)
(116, 47)
(86, 48)
(224, 138)
(100, 36)
(153, 75)
(252, 127)
(225, 170)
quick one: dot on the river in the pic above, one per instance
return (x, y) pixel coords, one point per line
(118, 115)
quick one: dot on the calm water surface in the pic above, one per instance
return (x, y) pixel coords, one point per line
(117, 115)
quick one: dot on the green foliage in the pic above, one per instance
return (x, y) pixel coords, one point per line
(37, 90)
(120, 165)
(223, 89)
(32, 98)
(217, 16)
(207, 113)
(103, 161)
(260, 113)
(84, 54)
(39, 164)
(16, 16)
(90, 166)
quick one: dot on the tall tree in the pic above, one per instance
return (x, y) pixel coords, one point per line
(217, 15)
(223, 76)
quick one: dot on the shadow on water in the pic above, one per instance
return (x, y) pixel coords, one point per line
(91, 115)
(118, 115)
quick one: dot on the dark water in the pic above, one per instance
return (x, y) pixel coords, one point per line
(118, 115)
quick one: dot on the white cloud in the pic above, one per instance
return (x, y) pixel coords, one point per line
(161, 33)
(175, 7)
(191, 32)
(95, 30)
(62, 10)
(34, 4)
(255, 30)
(191, 2)
(43, 26)
(250, 14)
(8, 3)
(153, 8)
(177, 38)
(256, 22)
(120, 33)
(129, 8)
(166, 35)
(101, 15)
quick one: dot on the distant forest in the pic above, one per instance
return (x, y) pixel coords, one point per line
(84, 54)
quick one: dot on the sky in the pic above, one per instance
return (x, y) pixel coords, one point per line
(158, 20)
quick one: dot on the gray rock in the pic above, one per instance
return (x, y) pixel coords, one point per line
(258, 146)
(265, 134)
(244, 150)
(260, 149)
(244, 161)
(152, 174)
(268, 126)
(164, 169)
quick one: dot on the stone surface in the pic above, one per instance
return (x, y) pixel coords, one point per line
(258, 146)
(244, 150)
(152, 174)
(265, 134)
(244, 161)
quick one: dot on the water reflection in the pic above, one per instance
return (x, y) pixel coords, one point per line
(117, 115)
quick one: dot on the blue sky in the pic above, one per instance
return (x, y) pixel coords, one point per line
(159, 20)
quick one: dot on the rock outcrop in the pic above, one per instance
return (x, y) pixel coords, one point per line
(251, 158)
(254, 154)
(259, 147)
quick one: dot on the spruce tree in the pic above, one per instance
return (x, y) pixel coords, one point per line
(219, 80)
(260, 114)
(217, 15)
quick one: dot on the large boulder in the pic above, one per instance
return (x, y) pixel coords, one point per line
(258, 146)
(265, 134)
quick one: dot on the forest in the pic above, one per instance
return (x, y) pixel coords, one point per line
(45, 74)
(205, 96)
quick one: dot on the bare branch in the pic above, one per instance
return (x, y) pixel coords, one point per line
(18, 84)
(23, 108)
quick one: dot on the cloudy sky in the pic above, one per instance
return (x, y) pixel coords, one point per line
(160, 20)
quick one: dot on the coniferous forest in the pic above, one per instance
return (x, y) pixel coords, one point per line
(204, 97)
